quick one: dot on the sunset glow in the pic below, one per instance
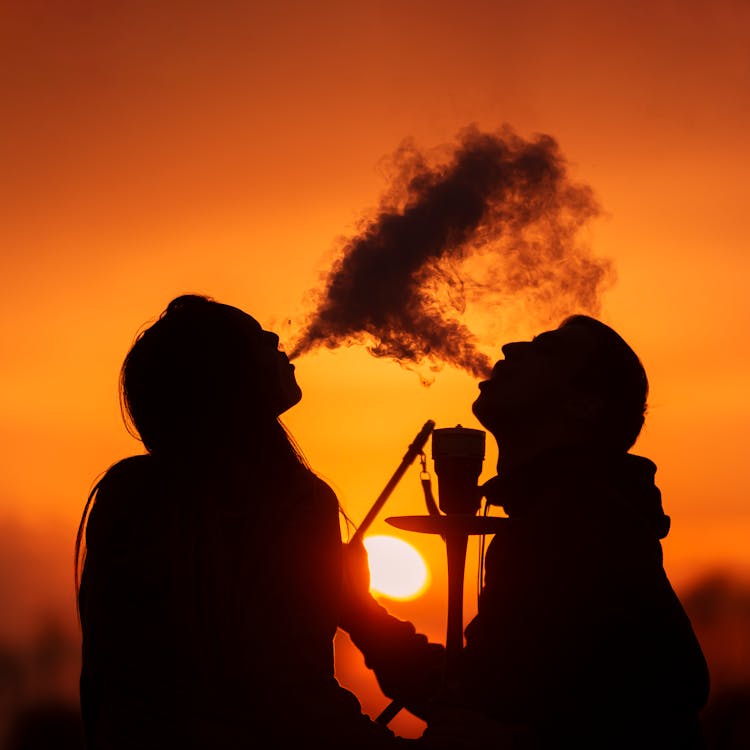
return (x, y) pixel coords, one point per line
(153, 149)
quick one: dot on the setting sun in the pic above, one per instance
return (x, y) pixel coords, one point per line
(397, 570)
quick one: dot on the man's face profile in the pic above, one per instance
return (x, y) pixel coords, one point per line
(534, 380)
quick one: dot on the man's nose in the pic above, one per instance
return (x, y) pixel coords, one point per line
(513, 348)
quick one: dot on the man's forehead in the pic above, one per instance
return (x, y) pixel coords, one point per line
(572, 339)
(546, 336)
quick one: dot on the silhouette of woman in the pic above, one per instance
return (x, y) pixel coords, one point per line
(213, 574)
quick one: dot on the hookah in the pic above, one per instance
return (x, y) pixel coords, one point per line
(458, 454)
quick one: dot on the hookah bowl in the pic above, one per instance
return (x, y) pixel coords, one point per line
(458, 454)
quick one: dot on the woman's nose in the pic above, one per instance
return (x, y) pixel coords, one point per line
(272, 338)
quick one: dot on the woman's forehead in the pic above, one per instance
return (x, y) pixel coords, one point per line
(245, 321)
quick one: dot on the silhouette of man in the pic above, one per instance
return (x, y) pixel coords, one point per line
(579, 639)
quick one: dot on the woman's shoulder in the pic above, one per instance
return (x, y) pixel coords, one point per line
(307, 490)
(119, 490)
(324, 489)
(127, 471)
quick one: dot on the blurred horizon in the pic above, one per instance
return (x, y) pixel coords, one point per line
(40, 641)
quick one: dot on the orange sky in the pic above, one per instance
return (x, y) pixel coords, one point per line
(154, 148)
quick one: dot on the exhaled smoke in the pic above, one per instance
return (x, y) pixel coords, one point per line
(496, 218)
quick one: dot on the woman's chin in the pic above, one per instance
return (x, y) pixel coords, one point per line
(288, 399)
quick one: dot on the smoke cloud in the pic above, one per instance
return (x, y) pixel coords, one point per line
(491, 219)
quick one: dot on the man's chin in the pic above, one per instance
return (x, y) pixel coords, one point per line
(479, 410)
(492, 414)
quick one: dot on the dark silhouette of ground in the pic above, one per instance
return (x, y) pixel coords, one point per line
(53, 725)
(719, 607)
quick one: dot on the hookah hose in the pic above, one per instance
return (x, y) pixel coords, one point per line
(415, 448)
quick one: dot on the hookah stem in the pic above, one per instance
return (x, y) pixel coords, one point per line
(456, 545)
(412, 452)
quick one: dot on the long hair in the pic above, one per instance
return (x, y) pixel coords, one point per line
(192, 387)
(196, 379)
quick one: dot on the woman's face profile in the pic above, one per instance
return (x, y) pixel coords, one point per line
(269, 366)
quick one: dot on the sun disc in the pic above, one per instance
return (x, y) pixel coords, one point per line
(397, 570)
